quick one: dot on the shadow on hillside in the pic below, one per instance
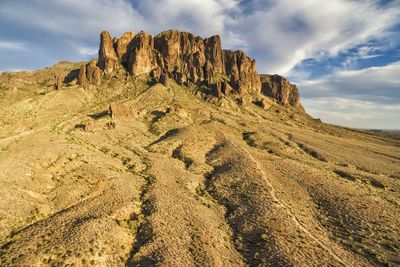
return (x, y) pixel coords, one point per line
(99, 115)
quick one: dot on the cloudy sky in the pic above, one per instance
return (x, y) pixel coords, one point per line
(343, 54)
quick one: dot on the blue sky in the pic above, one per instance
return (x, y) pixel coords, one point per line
(343, 54)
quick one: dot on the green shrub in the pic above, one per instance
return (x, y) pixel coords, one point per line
(264, 237)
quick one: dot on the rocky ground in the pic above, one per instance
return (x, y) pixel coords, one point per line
(175, 177)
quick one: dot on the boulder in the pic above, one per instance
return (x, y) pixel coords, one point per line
(263, 103)
(90, 126)
(111, 125)
(120, 110)
(178, 111)
(165, 80)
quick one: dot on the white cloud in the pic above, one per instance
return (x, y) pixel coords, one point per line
(12, 45)
(71, 18)
(367, 98)
(354, 113)
(280, 34)
(204, 17)
(377, 83)
(289, 31)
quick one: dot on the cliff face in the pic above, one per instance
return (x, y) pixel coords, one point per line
(182, 57)
(280, 89)
(190, 59)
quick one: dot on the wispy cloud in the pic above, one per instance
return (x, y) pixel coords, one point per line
(286, 32)
(377, 84)
(12, 45)
(354, 113)
(366, 98)
(284, 36)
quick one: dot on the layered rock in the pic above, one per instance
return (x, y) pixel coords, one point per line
(187, 59)
(182, 57)
(280, 89)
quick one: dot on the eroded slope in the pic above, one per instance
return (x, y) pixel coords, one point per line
(177, 177)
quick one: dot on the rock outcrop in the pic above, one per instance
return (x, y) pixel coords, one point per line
(121, 45)
(280, 89)
(241, 71)
(108, 59)
(82, 80)
(142, 57)
(182, 57)
(89, 74)
(93, 73)
(187, 59)
(120, 110)
(59, 79)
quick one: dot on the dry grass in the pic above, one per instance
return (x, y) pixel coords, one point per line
(213, 184)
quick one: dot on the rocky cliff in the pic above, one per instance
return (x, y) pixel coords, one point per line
(280, 89)
(188, 59)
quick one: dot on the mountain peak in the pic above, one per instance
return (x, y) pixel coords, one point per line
(189, 59)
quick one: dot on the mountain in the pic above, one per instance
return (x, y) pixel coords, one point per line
(187, 59)
(168, 150)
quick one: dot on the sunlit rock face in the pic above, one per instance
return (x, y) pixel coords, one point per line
(280, 89)
(188, 59)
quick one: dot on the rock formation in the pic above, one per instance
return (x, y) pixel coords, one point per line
(120, 110)
(121, 45)
(142, 57)
(89, 74)
(182, 57)
(90, 126)
(241, 71)
(93, 73)
(82, 80)
(280, 89)
(59, 79)
(107, 56)
(187, 59)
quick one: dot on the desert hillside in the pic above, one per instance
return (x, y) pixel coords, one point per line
(169, 150)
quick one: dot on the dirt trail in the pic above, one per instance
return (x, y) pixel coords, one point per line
(280, 203)
(22, 134)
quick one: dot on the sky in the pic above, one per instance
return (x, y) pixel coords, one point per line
(344, 55)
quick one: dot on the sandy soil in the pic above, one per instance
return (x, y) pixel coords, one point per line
(180, 178)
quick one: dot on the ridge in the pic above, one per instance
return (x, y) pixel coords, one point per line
(188, 60)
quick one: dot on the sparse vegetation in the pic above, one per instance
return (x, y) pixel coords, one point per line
(250, 190)
(312, 152)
